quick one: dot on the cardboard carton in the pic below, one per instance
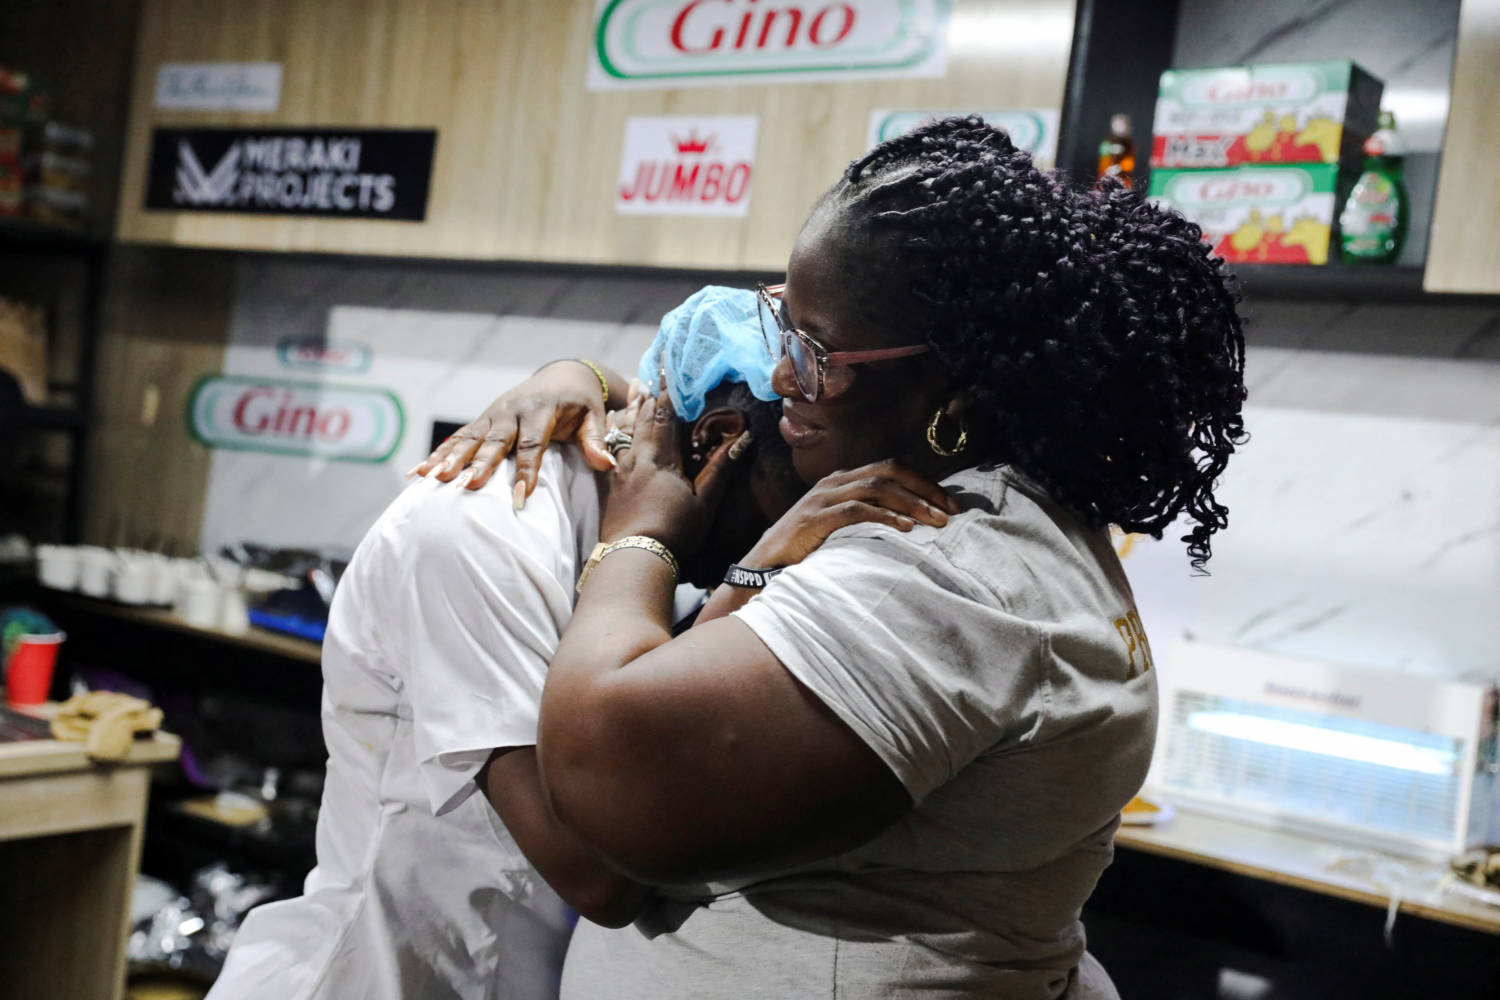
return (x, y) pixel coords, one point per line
(1263, 215)
(1315, 112)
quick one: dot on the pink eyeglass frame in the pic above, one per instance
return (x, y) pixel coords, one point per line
(826, 358)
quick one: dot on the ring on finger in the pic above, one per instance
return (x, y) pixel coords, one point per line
(617, 441)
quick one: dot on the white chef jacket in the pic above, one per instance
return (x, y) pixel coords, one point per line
(437, 646)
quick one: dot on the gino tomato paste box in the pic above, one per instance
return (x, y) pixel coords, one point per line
(1259, 215)
(1314, 112)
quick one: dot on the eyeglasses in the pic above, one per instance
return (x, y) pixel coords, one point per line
(820, 375)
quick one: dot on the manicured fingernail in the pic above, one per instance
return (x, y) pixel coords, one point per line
(612, 463)
(464, 478)
(518, 496)
(937, 515)
(413, 471)
(905, 523)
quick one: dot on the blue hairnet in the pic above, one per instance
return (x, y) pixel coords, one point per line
(712, 337)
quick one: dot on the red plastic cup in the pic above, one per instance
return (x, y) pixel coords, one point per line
(28, 676)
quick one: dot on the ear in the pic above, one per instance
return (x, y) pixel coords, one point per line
(715, 426)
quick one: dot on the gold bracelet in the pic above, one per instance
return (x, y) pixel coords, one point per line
(629, 542)
(599, 374)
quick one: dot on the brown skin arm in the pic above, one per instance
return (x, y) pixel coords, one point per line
(697, 757)
(701, 756)
(510, 781)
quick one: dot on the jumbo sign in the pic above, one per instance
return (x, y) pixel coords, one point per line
(347, 423)
(677, 43)
(687, 165)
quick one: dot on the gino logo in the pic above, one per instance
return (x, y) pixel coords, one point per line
(667, 40)
(1266, 84)
(315, 353)
(341, 422)
(1238, 187)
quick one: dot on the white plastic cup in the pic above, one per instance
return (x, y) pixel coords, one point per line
(163, 580)
(234, 614)
(96, 568)
(198, 601)
(57, 567)
(133, 579)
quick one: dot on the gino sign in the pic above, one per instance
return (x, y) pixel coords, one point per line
(681, 43)
(346, 423)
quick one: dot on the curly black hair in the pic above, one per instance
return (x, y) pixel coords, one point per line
(1093, 334)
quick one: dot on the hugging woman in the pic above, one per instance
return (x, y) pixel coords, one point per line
(896, 768)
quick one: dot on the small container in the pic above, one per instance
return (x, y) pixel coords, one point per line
(133, 579)
(164, 575)
(198, 601)
(234, 614)
(28, 675)
(57, 567)
(96, 569)
(1117, 151)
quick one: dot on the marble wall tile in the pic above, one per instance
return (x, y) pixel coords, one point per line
(1408, 44)
(1365, 509)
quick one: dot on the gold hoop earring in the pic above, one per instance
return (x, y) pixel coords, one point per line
(932, 440)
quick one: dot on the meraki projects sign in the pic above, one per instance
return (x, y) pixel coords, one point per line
(681, 43)
(332, 173)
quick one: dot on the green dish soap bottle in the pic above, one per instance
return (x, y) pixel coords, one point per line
(1373, 223)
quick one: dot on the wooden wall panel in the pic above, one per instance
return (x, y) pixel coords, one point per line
(1464, 250)
(166, 317)
(527, 157)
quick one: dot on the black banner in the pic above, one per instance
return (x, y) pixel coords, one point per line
(330, 172)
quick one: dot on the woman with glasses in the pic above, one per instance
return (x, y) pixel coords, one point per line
(889, 760)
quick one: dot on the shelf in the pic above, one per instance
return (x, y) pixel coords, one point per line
(21, 233)
(1345, 282)
(1369, 282)
(257, 640)
(55, 417)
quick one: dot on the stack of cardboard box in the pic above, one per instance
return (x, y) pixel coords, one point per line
(1261, 156)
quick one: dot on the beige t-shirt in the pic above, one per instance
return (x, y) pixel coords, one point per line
(997, 667)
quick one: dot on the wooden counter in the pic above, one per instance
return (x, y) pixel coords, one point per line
(1311, 863)
(70, 845)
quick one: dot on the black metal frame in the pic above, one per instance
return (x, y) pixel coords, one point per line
(23, 237)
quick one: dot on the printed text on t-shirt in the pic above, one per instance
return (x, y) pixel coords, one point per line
(1136, 646)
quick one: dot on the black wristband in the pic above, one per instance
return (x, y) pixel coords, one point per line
(752, 579)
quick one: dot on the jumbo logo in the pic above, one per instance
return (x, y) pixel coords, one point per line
(673, 41)
(317, 353)
(346, 423)
(1266, 84)
(1259, 187)
(679, 165)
